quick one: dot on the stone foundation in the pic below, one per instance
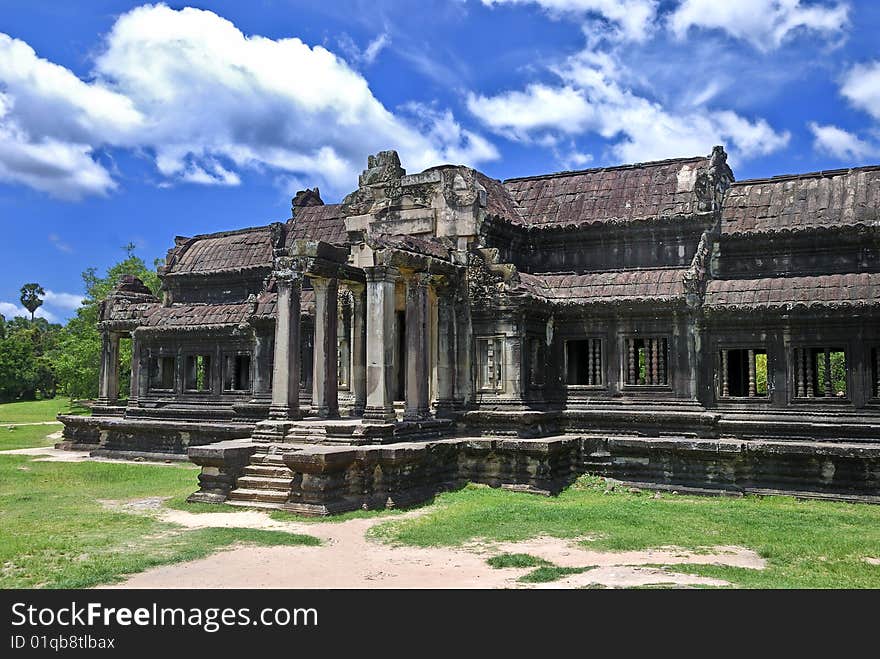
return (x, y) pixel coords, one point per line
(316, 479)
(125, 437)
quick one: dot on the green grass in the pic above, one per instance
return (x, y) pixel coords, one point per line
(15, 437)
(517, 560)
(807, 544)
(548, 573)
(30, 411)
(55, 533)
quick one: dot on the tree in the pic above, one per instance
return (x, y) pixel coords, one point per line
(32, 297)
(25, 368)
(77, 358)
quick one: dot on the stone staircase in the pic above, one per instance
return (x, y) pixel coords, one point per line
(266, 481)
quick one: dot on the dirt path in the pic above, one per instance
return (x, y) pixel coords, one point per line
(348, 559)
(52, 454)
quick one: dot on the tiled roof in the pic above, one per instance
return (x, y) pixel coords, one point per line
(229, 250)
(122, 310)
(843, 197)
(629, 192)
(499, 201)
(649, 285)
(318, 223)
(267, 303)
(847, 290)
(199, 315)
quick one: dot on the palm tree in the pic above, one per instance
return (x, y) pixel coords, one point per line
(32, 297)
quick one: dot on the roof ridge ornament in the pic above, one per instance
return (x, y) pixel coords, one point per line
(712, 183)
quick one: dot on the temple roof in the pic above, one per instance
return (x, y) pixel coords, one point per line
(198, 315)
(224, 251)
(324, 222)
(846, 290)
(628, 192)
(267, 303)
(499, 201)
(646, 285)
(829, 199)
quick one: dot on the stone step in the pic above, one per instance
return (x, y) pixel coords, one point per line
(268, 471)
(264, 483)
(261, 496)
(269, 459)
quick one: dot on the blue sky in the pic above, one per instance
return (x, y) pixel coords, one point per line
(123, 122)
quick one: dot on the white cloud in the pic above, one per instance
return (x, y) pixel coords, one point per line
(51, 123)
(765, 24)
(69, 301)
(593, 99)
(59, 244)
(861, 87)
(454, 144)
(633, 18)
(10, 310)
(376, 46)
(363, 56)
(207, 102)
(840, 143)
(521, 114)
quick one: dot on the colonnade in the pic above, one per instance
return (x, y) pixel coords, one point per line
(373, 346)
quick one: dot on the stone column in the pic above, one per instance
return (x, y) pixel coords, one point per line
(262, 372)
(325, 377)
(359, 350)
(135, 384)
(417, 347)
(286, 369)
(380, 343)
(109, 385)
(445, 350)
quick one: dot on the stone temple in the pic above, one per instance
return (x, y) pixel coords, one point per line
(659, 323)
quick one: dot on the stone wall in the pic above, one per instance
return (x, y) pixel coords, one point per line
(120, 438)
(325, 480)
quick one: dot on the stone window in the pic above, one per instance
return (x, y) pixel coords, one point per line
(490, 363)
(875, 372)
(646, 361)
(236, 372)
(198, 373)
(537, 362)
(820, 372)
(583, 362)
(161, 373)
(743, 373)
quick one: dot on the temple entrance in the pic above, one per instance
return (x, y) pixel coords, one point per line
(400, 356)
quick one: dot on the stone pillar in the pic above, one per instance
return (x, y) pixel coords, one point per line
(135, 384)
(380, 343)
(359, 350)
(109, 385)
(286, 369)
(325, 377)
(262, 370)
(445, 350)
(417, 347)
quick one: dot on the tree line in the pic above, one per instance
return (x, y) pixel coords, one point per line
(39, 359)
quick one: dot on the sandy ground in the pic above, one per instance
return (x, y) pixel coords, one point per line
(52, 454)
(348, 559)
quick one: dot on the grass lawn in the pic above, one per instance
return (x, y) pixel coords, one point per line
(30, 411)
(55, 533)
(807, 544)
(14, 437)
